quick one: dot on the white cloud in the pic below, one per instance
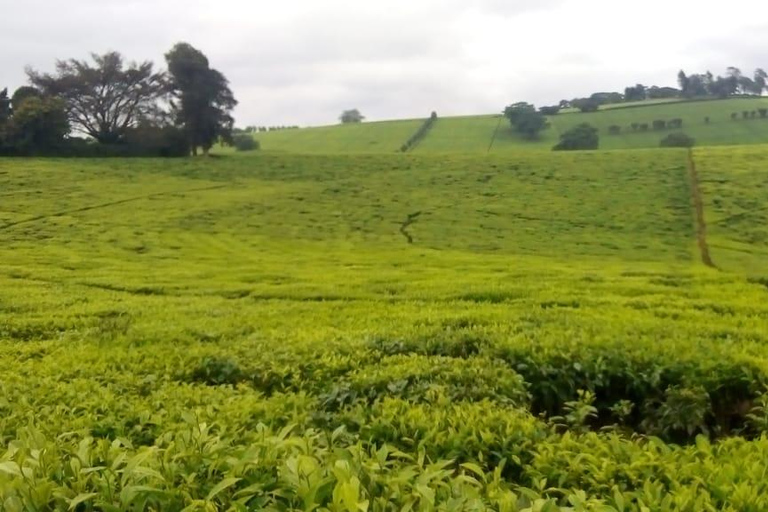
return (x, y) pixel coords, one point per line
(302, 61)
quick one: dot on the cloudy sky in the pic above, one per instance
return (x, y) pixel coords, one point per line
(304, 61)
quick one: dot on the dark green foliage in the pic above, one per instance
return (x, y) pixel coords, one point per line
(675, 123)
(586, 104)
(763, 112)
(351, 117)
(745, 114)
(644, 127)
(706, 120)
(635, 126)
(734, 116)
(663, 92)
(22, 93)
(659, 124)
(417, 137)
(39, 124)
(205, 101)
(214, 371)
(583, 136)
(636, 93)
(677, 140)
(550, 111)
(525, 120)
(245, 142)
(106, 99)
(614, 129)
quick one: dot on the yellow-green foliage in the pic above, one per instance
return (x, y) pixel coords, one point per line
(257, 333)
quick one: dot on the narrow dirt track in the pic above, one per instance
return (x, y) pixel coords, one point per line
(698, 204)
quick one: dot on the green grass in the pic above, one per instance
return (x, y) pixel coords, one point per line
(257, 333)
(733, 184)
(474, 134)
(376, 137)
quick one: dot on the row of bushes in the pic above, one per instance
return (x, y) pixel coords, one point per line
(658, 124)
(149, 141)
(751, 114)
(420, 133)
(245, 142)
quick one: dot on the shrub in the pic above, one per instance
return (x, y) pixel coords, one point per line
(644, 127)
(583, 136)
(635, 126)
(763, 112)
(659, 124)
(745, 114)
(677, 140)
(675, 123)
(420, 133)
(734, 116)
(550, 111)
(706, 120)
(245, 143)
(215, 371)
(753, 114)
(614, 129)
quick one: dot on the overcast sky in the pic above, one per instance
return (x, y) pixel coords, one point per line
(304, 61)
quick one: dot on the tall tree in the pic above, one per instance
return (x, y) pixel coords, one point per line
(204, 101)
(23, 93)
(105, 99)
(760, 81)
(682, 81)
(39, 124)
(5, 115)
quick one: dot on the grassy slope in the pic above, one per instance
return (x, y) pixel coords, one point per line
(733, 188)
(573, 270)
(377, 137)
(473, 134)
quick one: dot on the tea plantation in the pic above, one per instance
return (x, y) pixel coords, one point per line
(514, 332)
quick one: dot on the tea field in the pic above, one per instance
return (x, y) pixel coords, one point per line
(493, 134)
(527, 332)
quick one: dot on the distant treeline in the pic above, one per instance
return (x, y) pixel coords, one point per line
(109, 108)
(261, 129)
(696, 86)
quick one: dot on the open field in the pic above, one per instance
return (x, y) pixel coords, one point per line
(382, 332)
(474, 134)
(376, 137)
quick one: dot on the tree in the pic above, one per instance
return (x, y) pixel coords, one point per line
(550, 111)
(351, 116)
(583, 136)
(636, 93)
(683, 82)
(5, 115)
(760, 81)
(204, 101)
(586, 104)
(525, 120)
(39, 123)
(105, 99)
(22, 93)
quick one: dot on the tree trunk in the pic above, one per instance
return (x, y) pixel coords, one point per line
(194, 150)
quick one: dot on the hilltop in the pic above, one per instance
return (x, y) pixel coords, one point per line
(492, 133)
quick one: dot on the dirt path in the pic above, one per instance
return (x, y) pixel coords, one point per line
(404, 226)
(698, 204)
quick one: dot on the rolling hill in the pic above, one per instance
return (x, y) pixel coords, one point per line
(476, 134)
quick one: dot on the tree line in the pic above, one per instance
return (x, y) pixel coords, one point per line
(694, 86)
(109, 107)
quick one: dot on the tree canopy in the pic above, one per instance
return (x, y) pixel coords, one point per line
(525, 119)
(203, 101)
(583, 136)
(351, 116)
(105, 99)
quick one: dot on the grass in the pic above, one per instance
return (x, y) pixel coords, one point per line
(376, 137)
(257, 332)
(476, 134)
(733, 179)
